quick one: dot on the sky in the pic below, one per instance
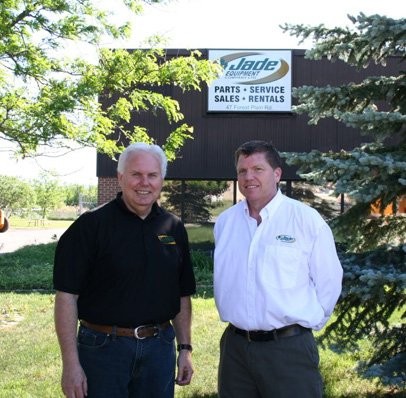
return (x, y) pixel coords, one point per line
(205, 24)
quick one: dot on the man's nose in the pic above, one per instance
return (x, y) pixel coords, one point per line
(249, 174)
(144, 180)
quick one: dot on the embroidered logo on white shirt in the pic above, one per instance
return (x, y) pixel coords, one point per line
(286, 238)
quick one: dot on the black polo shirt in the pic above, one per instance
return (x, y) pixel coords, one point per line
(127, 271)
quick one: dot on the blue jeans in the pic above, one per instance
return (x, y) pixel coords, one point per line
(125, 367)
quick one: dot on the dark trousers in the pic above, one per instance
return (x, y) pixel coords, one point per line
(283, 368)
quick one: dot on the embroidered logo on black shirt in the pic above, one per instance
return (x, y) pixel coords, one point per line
(167, 239)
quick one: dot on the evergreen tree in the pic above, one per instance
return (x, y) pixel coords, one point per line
(374, 174)
(192, 200)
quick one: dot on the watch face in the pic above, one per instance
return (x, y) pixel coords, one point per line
(187, 347)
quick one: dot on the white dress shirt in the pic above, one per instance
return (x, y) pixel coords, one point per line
(281, 272)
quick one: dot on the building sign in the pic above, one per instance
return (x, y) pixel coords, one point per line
(252, 81)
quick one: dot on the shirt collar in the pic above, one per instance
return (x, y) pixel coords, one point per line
(155, 210)
(270, 208)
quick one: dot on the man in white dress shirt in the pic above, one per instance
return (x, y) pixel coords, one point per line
(277, 277)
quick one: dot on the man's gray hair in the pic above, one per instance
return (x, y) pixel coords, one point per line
(138, 147)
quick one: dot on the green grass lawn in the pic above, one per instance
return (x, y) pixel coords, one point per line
(23, 223)
(30, 363)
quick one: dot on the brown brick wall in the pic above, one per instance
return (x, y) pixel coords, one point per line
(107, 189)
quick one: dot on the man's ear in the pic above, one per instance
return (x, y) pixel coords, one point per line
(119, 178)
(277, 174)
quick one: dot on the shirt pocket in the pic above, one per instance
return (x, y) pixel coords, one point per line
(284, 267)
(170, 256)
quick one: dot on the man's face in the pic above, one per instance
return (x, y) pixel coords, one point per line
(257, 180)
(141, 182)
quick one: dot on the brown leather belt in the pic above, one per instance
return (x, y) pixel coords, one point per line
(140, 332)
(267, 335)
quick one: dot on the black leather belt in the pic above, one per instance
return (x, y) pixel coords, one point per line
(140, 332)
(267, 335)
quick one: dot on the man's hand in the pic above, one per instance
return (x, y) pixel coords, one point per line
(74, 382)
(185, 368)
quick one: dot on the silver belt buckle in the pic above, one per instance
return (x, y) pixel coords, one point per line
(136, 333)
(145, 326)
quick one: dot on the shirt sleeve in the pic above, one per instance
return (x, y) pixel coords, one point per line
(187, 280)
(326, 272)
(73, 257)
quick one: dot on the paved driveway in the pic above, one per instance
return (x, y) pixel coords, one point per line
(13, 239)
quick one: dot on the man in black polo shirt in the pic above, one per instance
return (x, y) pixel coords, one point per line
(124, 271)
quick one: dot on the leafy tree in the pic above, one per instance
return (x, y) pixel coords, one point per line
(15, 195)
(375, 173)
(192, 200)
(49, 194)
(50, 100)
(74, 192)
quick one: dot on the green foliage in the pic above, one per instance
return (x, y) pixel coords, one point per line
(376, 38)
(15, 195)
(192, 200)
(27, 268)
(75, 193)
(367, 233)
(20, 197)
(201, 236)
(368, 175)
(203, 267)
(31, 268)
(375, 173)
(374, 290)
(49, 194)
(48, 99)
(305, 192)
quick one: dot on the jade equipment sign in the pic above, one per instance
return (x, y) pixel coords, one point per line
(251, 81)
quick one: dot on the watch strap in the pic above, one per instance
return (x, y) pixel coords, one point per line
(187, 347)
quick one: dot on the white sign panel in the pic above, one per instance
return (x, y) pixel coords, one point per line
(252, 81)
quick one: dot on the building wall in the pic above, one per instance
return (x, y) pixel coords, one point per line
(209, 156)
(107, 189)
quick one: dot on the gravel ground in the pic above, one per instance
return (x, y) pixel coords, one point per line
(14, 239)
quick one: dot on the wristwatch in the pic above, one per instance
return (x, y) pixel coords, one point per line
(187, 347)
